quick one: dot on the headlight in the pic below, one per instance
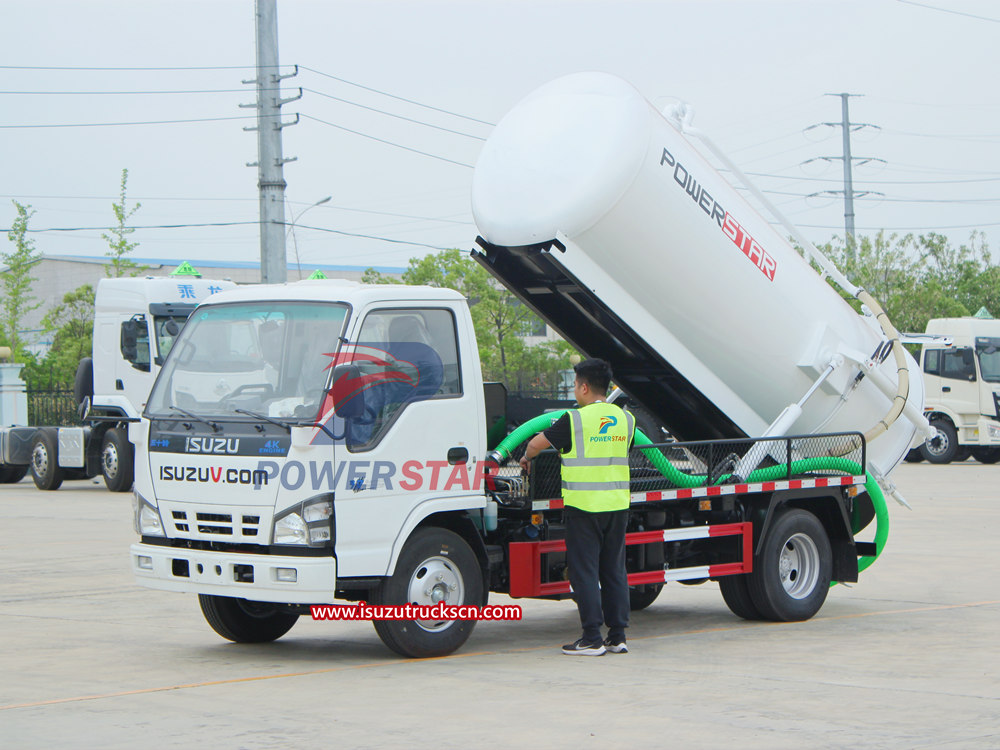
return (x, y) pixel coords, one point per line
(994, 431)
(310, 523)
(145, 518)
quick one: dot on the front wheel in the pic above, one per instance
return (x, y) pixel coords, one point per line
(791, 575)
(244, 621)
(943, 447)
(436, 565)
(117, 462)
(45, 469)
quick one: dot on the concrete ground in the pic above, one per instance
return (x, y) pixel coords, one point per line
(907, 658)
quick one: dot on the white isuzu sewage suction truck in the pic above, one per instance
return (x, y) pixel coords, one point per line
(324, 441)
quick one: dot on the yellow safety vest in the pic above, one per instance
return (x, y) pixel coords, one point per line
(595, 475)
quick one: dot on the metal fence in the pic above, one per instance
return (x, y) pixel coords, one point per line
(666, 466)
(55, 407)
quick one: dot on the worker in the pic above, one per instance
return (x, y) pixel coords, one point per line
(594, 442)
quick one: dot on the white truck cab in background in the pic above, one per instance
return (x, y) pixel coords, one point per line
(962, 381)
(135, 323)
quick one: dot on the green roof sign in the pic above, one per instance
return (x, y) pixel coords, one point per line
(983, 314)
(185, 269)
(317, 274)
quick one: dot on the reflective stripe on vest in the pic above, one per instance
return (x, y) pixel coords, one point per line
(595, 474)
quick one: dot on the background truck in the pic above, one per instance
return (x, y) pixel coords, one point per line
(962, 382)
(135, 323)
(328, 441)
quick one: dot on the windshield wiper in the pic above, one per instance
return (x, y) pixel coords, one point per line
(185, 412)
(286, 425)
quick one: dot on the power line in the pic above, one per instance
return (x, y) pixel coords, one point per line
(949, 10)
(389, 143)
(368, 236)
(390, 114)
(129, 68)
(394, 96)
(118, 124)
(125, 93)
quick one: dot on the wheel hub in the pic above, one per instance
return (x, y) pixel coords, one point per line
(437, 579)
(110, 460)
(40, 459)
(798, 566)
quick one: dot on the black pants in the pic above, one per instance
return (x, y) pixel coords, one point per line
(595, 553)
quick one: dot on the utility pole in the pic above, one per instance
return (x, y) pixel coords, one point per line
(270, 162)
(848, 192)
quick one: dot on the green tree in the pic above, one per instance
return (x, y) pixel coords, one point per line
(17, 281)
(118, 244)
(919, 277)
(72, 323)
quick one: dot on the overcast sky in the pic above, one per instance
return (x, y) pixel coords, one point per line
(755, 72)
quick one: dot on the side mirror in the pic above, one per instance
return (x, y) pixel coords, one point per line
(967, 357)
(171, 327)
(129, 340)
(348, 392)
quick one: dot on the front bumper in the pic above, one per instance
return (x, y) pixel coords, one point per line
(244, 576)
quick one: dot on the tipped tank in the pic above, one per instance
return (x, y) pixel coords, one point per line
(604, 218)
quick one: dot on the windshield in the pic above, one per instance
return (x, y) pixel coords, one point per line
(988, 351)
(266, 357)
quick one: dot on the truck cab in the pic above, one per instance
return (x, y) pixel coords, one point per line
(135, 323)
(298, 439)
(963, 389)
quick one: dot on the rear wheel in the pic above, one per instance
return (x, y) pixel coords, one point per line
(117, 460)
(736, 594)
(914, 456)
(943, 447)
(244, 621)
(45, 469)
(436, 565)
(12, 474)
(640, 597)
(791, 575)
(986, 455)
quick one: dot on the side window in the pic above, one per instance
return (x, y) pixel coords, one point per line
(932, 361)
(958, 364)
(402, 356)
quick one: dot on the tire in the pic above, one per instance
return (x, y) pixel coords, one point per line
(244, 621)
(791, 575)
(45, 469)
(736, 594)
(914, 456)
(83, 382)
(435, 565)
(986, 455)
(117, 460)
(640, 597)
(12, 474)
(943, 448)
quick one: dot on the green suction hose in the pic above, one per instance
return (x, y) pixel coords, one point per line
(772, 473)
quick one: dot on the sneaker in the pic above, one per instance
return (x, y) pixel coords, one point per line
(616, 645)
(584, 648)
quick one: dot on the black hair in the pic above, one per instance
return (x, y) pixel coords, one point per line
(594, 372)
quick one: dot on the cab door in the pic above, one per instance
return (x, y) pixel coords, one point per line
(950, 377)
(413, 436)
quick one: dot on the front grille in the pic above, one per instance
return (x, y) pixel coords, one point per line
(218, 524)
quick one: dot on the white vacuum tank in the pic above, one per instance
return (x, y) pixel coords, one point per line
(663, 239)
